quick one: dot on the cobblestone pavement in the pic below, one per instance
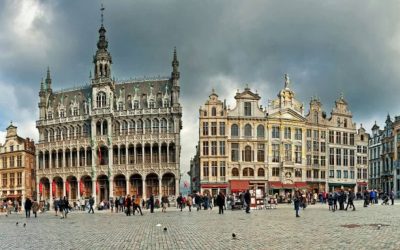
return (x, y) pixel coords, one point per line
(317, 228)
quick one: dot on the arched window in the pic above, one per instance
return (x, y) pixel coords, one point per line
(155, 126)
(147, 126)
(163, 125)
(234, 130)
(247, 130)
(171, 126)
(260, 131)
(124, 127)
(235, 172)
(260, 172)
(345, 123)
(139, 126)
(213, 111)
(246, 172)
(131, 127)
(248, 153)
(101, 100)
(251, 172)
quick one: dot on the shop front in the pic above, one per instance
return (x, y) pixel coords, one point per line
(316, 187)
(335, 186)
(361, 186)
(214, 188)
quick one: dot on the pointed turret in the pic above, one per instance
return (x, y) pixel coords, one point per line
(102, 59)
(48, 80)
(175, 75)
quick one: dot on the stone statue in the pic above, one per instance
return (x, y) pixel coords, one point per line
(287, 81)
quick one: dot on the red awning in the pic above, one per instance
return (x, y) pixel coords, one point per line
(275, 184)
(363, 183)
(300, 184)
(288, 185)
(208, 185)
(239, 185)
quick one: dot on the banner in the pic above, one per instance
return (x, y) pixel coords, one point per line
(67, 186)
(40, 187)
(81, 187)
(97, 187)
(53, 186)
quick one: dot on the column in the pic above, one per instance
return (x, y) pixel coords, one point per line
(63, 158)
(64, 190)
(51, 192)
(94, 192)
(44, 161)
(50, 159)
(119, 155)
(144, 187)
(143, 155)
(78, 152)
(85, 158)
(134, 154)
(37, 189)
(79, 189)
(111, 183)
(57, 166)
(167, 153)
(159, 154)
(128, 187)
(126, 153)
(177, 187)
(151, 154)
(159, 188)
(70, 158)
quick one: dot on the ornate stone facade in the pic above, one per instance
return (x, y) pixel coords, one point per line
(279, 148)
(110, 138)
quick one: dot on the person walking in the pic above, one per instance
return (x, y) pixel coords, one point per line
(164, 203)
(56, 205)
(350, 200)
(65, 209)
(189, 202)
(247, 199)
(122, 203)
(128, 202)
(151, 200)
(136, 205)
(221, 203)
(391, 196)
(35, 207)
(28, 206)
(91, 203)
(116, 204)
(296, 201)
(179, 201)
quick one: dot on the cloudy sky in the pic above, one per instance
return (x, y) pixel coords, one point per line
(327, 47)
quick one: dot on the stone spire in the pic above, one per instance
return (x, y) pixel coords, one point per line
(48, 80)
(102, 59)
(175, 75)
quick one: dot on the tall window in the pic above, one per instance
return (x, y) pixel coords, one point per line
(297, 154)
(352, 139)
(338, 156)
(222, 168)
(338, 174)
(331, 137)
(331, 156)
(213, 148)
(214, 168)
(222, 128)
(247, 130)
(260, 152)
(101, 100)
(345, 157)
(205, 147)
(275, 171)
(19, 179)
(4, 160)
(19, 161)
(4, 180)
(275, 152)
(298, 134)
(248, 153)
(205, 169)
(205, 128)
(345, 174)
(213, 111)
(352, 157)
(315, 173)
(288, 133)
(213, 128)
(338, 137)
(247, 108)
(235, 152)
(275, 132)
(323, 161)
(316, 134)
(345, 138)
(12, 159)
(222, 148)
(308, 133)
(288, 152)
(323, 147)
(260, 131)
(12, 180)
(234, 130)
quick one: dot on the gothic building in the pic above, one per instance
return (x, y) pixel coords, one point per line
(109, 138)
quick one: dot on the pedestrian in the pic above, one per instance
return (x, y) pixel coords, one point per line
(28, 206)
(179, 201)
(330, 202)
(143, 203)
(366, 198)
(83, 204)
(55, 204)
(297, 200)
(341, 199)
(335, 199)
(121, 203)
(350, 200)
(164, 203)
(221, 203)
(136, 205)
(151, 201)
(91, 203)
(392, 196)
(35, 207)
(66, 206)
(128, 203)
(247, 199)
(189, 202)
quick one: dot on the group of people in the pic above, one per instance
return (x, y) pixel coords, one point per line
(372, 196)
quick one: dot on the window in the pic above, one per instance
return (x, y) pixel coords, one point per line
(288, 152)
(213, 128)
(338, 156)
(234, 130)
(275, 171)
(214, 168)
(345, 157)
(315, 159)
(364, 149)
(11, 148)
(331, 156)
(331, 137)
(4, 180)
(222, 169)
(275, 132)
(260, 152)
(323, 160)
(260, 131)
(62, 114)
(297, 154)
(338, 174)
(288, 133)
(358, 160)
(4, 160)
(323, 147)
(248, 153)
(365, 160)
(358, 173)
(248, 172)
(101, 100)
(345, 138)
(205, 128)
(49, 115)
(308, 159)
(331, 173)
(315, 173)
(12, 160)
(315, 146)
(352, 139)
(338, 137)
(247, 108)
(298, 134)
(358, 149)
(12, 180)
(338, 122)
(19, 179)
(316, 134)
(136, 104)
(351, 174)
(322, 174)
(222, 148)
(205, 147)
(19, 161)
(222, 128)
(308, 173)
(205, 169)
(213, 148)
(298, 172)
(308, 144)
(345, 174)
(275, 152)
(213, 111)
(323, 134)
(260, 172)
(308, 133)
(235, 152)
(345, 123)
(247, 130)
(235, 172)
(364, 173)
(352, 157)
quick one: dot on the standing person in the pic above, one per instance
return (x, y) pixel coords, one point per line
(28, 206)
(247, 199)
(61, 207)
(350, 200)
(297, 199)
(66, 206)
(372, 197)
(35, 207)
(189, 202)
(128, 202)
(392, 196)
(91, 203)
(164, 203)
(143, 204)
(335, 199)
(341, 199)
(221, 203)
(9, 207)
(151, 201)
(179, 201)
(136, 205)
(83, 204)
(366, 198)
(55, 204)
(121, 204)
(330, 202)
(116, 204)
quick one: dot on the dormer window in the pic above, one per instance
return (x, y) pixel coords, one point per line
(49, 115)
(120, 106)
(213, 111)
(152, 104)
(345, 123)
(247, 108)
(62, 113)
(76, 111)
(101, 100)
(166, 103)
(136, 104)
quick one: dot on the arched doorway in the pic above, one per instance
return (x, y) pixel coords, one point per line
(168, 184)
(44, 189)
(86, 186)
(71, 188)
(119, 185)
(152, 185)
(136, 185)
(102, 188)
(57, 187)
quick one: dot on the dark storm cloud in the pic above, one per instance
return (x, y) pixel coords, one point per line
(327, 47)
